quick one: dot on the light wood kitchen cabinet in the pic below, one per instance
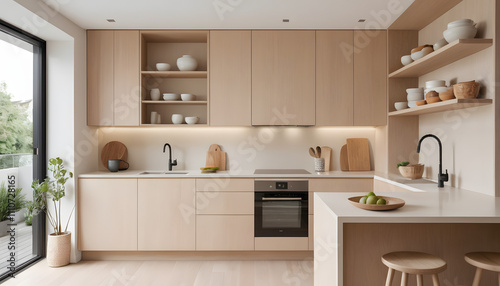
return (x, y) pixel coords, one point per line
(370, 78)
(113, 78)
(334, 78)
(283, 78)
(107, 214)
(166, 217)
(225, 203)
(230, 78)
(224, 232)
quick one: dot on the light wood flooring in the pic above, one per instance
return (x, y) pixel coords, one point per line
(178, 273)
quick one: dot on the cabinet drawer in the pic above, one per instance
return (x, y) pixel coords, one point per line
(224, 185)
(337, 185)
(281, 243)
(224, 232)
(225, 203)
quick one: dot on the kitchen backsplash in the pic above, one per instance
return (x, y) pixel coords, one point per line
(246, 147)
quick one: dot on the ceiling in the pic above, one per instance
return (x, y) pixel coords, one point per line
(231, 14)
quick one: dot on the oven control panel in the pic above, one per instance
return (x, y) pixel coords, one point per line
(281, 185)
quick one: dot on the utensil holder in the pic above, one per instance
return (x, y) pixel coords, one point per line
(319, 164)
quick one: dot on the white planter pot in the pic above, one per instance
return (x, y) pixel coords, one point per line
(4, 227)
(59, 249)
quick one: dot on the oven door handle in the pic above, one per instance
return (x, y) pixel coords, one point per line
(281, 199)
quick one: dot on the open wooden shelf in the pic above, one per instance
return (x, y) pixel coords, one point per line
(446, 55)
(175, 102)
(421, 13)
(176, 74)
(452, 104)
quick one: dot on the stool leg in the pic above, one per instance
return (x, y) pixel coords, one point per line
(477, 277)
(390, 276)
(404, 279)
(420, 281)
(435, 280)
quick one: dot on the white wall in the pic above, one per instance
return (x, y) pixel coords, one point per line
(247, 147)
(468, 135)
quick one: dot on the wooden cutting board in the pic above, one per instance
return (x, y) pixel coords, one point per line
(358, 154)
(114, 150)
(344, 162)
(216, 158)
(326, 153)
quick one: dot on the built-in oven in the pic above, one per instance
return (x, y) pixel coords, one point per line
(281, 208)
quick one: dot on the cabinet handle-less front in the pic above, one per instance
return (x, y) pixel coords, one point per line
(281, 199)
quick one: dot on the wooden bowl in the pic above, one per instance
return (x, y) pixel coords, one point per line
(412, 171)
(391, 204)
(447, 95)
(432, 96)
(421, 102)
(466, 89)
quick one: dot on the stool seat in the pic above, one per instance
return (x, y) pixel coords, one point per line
(414, 262)
(485, 260)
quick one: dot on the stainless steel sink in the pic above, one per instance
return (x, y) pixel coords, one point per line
(163, 173)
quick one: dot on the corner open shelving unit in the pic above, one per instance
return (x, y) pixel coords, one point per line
(166, 46)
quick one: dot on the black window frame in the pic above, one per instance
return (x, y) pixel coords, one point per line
(39, 130)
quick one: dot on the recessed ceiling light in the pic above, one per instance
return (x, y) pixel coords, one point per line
(286, 20)
(111, 20)
(361, 20)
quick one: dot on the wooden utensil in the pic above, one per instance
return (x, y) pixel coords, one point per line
(318, 152)
(358, 154)
(344, 162)
(391, 204)
(114, 150)
(326, 153)
(216, 158)
(311, 152)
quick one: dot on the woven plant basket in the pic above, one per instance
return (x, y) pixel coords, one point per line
(59, 249)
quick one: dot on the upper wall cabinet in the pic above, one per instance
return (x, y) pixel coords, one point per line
(370, 78)
(283, 78)
(334, 78)
(230, 78)
(113, 78)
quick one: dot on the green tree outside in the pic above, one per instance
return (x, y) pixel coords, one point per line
(16, 130)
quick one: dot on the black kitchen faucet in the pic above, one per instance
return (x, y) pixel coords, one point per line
(170, 163)
(441, 177)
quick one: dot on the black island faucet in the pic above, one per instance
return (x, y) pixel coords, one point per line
(441, 177)
(170, 163)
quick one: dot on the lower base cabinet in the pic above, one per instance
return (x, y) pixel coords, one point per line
(107, 214)
(281, 243)
(224, 232)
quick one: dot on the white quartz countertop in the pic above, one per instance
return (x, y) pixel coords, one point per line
(235, 174)
(441, 206)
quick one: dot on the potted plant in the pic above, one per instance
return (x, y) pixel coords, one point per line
(54, 189)
(8, 206)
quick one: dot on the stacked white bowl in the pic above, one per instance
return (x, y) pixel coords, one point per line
(460, 29)
(414, 95)
(436, 85)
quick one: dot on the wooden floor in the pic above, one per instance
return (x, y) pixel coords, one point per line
(178, 273)
(23, 244)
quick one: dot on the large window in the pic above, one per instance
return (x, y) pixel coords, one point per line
(22, 147)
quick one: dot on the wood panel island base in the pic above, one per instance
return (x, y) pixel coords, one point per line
(349, 242)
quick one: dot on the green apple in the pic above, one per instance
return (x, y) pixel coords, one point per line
(371, 200)
(381, 202)
(363, 200)
(370, 194)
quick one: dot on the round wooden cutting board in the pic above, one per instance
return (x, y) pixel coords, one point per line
(114, 150)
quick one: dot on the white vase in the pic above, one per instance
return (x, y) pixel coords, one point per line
(59, 249)
(154, 117)
(177, 118)
(187, 63)
(155, 94)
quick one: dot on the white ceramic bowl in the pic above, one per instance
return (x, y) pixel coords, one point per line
(406, 60)
(463, 32)
(192, 119)
(188, 97)
(177, 118)
(415, 96)
(460, 23)
(401, 105)
(162, 66)
(441, 89)
(435, 83)
(439, 44)
(415, 90)
(417, 55)
(171, 96)
(412, 104)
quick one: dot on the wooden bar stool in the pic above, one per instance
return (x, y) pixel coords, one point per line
(484, 260)
(409, 262)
